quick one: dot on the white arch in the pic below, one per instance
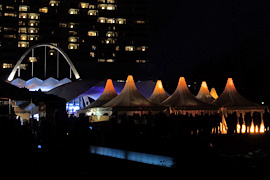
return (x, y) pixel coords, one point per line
(13, 72)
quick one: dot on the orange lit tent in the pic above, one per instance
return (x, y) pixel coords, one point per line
(159, 94)
(213, 93)
(108, 94)
(130, 100)
(204, 94)
(233, 101)
(182, 101)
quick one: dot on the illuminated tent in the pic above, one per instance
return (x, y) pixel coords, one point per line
(48, 84)
(108, 94)
(204, 94)
(232, 101)
(213, 93)
(19, 82)
(63, 81)
(130, 99)
(182, 101)
(73, 90)
(144, 87)
(159, 94)
(33, 84)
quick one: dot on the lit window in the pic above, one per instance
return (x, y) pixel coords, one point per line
(111, 34)
(106, 60)
(73, 39)
(73, 11)
(23, 37)
(101, 60)
(140, 22)
(93, 12)
(23, 44)
(9, 36)
(121, 21)
(7, 65)
(92, 33)
(33, 37)
(111, 7)
(110, 60)
(23, 15)
(129, 48)
(110, 1)
(10, 14)
(83, 5)
(141, 48)
(22, 30)
(102, 6)
(94, 47)
(43, 10)
(110, 41)
(73, 33)
(33, 30)
(63, 25)
(102, 20)
(54, 3)
(23, 8)
(117, 48)
(111, 20)
(9, 7)
(102, 1)
(92, 54)
(141, 61)
(32, 59)
(73, 25)
(91, 6)
(33, 15)
(73, 46)
(33, 23)
(51, 52)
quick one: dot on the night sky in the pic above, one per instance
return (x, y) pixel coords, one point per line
(213, 40)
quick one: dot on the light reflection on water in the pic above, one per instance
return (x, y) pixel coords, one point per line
(133, 156)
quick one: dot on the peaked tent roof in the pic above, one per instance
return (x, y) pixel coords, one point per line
(50, 82)
(213, 93)
(204, 94)
(130, 97)
(159, 94)
(33, 83)
(231, 98)
(108, 94)
(18, 82)
(182, 97)
(63, 81)
(72, 90)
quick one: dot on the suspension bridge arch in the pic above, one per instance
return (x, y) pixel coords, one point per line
(14, 70)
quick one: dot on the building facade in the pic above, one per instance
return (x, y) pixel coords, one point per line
(95, 34)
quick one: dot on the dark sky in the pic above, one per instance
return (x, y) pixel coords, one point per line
(193, 32)
(213, 40)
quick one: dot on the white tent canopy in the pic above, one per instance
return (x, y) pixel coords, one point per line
(19, 82)
(130, 97)
(108, 94)
(34, 83)
(182, 101)
(204, 94)
(233, 101)
(159, 94)
(130, 101)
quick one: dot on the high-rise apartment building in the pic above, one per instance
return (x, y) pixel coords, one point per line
(95, 33)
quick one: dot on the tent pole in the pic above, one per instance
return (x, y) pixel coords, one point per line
(45, 62)
(57, 64)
